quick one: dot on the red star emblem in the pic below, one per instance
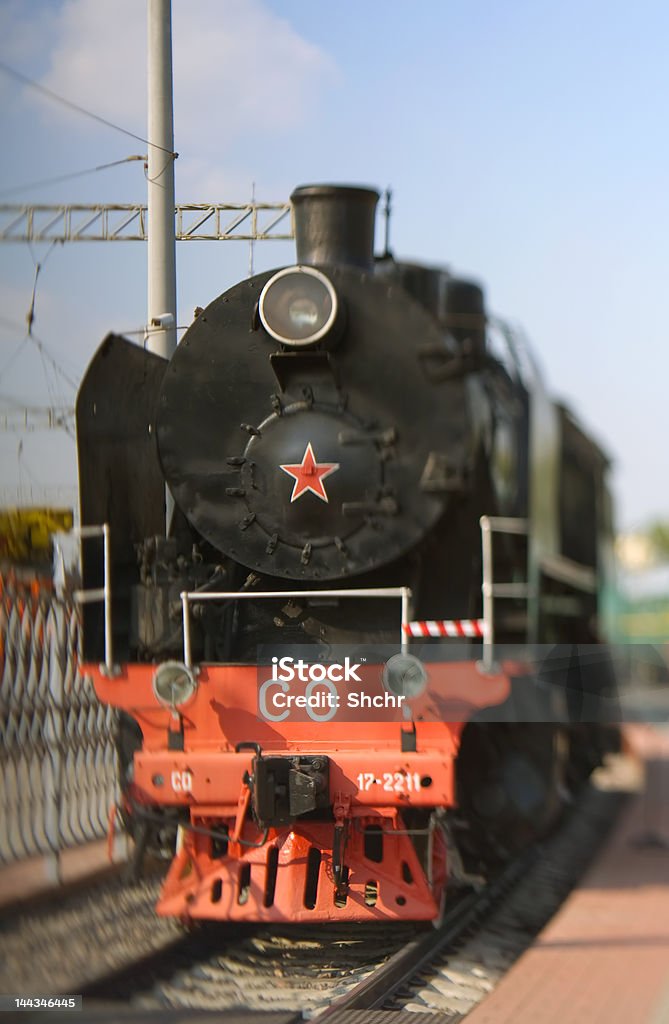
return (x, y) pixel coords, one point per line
(309, 475)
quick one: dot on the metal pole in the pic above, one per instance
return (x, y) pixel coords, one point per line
(488, 593)
(109, 650)
(185, 617)
(162, 289)
(406, 594)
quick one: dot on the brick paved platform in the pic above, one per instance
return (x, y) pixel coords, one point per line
(605, 956)
(38, 877)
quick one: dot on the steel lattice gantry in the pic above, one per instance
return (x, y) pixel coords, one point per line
(128, 222)
(108, 222)
(28, 420)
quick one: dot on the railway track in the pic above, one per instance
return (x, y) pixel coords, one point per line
(257, 969)
(139, 967)
(327, 972)
(451, 971)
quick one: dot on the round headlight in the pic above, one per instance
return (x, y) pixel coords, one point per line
(174, 684)
(404, 675)
(298, 306)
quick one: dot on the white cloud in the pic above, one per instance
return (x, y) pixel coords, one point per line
(240, 72)
(21, 38)
(97, 59)
(239, 66)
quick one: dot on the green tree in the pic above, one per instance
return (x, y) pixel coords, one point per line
(658, 535)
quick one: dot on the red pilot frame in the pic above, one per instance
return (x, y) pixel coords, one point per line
(377, 850)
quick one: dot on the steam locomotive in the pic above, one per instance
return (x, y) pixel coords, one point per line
(374, 497)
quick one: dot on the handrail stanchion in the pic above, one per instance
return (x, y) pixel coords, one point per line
(488, 594)
(109, 642)
(198, 596)
(188, 654)
(406, 594)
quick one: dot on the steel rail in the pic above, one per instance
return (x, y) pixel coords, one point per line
(396, 972)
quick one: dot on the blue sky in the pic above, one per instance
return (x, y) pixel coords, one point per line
(525, 144)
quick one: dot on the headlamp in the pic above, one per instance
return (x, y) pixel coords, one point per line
(174, 684)
(298, 306)
(405, 676)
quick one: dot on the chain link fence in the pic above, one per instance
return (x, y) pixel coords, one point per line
(58, 776)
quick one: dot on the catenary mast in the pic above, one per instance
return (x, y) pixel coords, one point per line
(162, 288)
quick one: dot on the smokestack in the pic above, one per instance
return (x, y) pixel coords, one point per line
(335, 224)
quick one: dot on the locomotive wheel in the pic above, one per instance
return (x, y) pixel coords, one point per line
(588, 744)
(128, 740)
(510, 786)
(155, 838)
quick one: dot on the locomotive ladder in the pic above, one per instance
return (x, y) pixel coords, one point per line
(483, 628)
(492, 590)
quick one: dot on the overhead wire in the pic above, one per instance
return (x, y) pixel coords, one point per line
(19, 76)
(154, 179)
(38, 264)
(23, 465)
(68, 177)
(53, 362)
(55, 394)
(12, 359)
(45, 355)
